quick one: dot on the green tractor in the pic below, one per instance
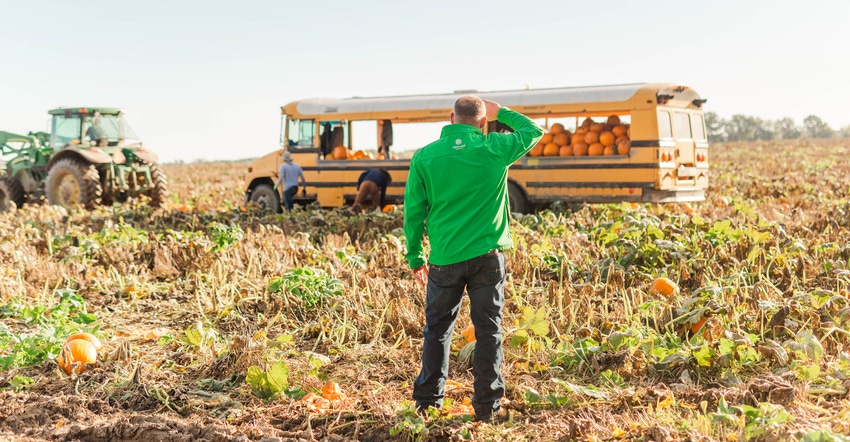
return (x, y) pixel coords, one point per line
(90, 157)
(26, 168)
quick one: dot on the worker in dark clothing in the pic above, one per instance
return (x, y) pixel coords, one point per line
(372, 183)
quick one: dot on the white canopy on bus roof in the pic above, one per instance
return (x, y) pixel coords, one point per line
(525, 97)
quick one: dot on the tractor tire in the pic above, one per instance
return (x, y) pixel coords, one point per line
(73, 181)
(11, 191)
(266, 197)
(159, 192)
(517, 199)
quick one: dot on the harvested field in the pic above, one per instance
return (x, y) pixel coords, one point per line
(223, 324)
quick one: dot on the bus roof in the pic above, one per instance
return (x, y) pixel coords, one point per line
(612, 98)
(86, 110)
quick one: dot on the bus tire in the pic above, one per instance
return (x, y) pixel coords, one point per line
(516, 198)
(266, 197)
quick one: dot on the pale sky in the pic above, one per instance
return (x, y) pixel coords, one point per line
(206, 79)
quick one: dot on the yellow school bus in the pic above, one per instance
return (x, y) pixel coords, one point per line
(664, 157)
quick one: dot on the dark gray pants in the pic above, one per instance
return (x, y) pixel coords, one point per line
(484, 280)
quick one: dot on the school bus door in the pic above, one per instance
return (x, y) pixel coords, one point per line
(685, 148)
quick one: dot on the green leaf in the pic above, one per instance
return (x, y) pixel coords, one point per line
(704, 355)
(268, 384)
(278, 376)
(531, 396)
(20, 382)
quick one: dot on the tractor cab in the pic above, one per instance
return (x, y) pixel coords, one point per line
(91, 127)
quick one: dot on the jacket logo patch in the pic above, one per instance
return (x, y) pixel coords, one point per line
(458, 145)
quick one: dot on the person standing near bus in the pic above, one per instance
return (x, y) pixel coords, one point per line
(458, 185)
(372, 183)
(289, 174)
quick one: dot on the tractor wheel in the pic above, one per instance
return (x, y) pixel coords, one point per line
(516, 198)
(11, 191)
(73, 181)
(266, 197)
(159, 192)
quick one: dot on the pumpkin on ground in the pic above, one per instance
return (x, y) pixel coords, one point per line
(88, 337)
(663, 286)
(468, 333)
(76, 354)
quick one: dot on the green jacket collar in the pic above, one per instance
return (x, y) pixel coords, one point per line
(459, 129)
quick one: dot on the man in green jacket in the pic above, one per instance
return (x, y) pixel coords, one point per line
(458, 184)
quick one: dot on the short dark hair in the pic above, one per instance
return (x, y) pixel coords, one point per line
(469, 108)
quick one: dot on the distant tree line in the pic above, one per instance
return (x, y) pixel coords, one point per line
(747, 128)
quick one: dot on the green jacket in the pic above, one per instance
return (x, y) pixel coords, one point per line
(458, 185)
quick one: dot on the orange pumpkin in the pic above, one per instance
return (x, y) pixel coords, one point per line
(88, 337)
(580, 149)
(566, 151)
(562, 139)
(550, 150)
(663, 286)
(557, 128)
(613, 120)
(597, 127)
(586, 123)
(468, 333)
(697, 326)
(606, 138)
(340, 153)
(547, 138)
(591, 137)
(619, 130)
(595, 149)
(623, 146)
(609, 150)
(537, 150)
(75, 354)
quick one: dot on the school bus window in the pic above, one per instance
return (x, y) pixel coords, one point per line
(364, 135)
(682, 126)
(698, 127)
(410, 137)
(665, 130)
(332, 134)
(569, 123)
(302, 133)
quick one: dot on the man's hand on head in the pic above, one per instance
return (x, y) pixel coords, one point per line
(492, 109)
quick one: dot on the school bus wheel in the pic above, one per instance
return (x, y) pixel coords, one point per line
(517, 199)
(266, 197)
